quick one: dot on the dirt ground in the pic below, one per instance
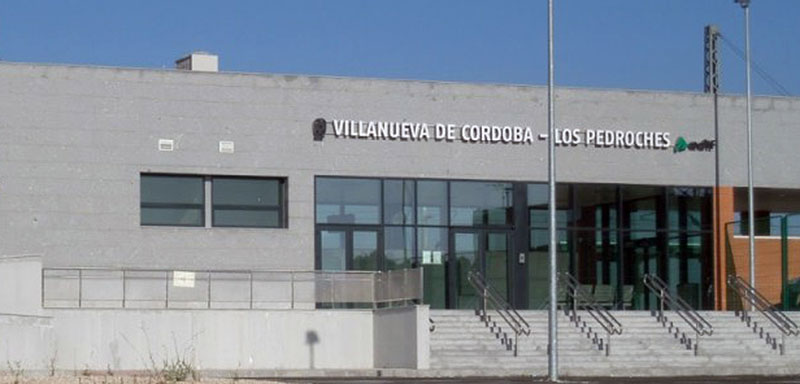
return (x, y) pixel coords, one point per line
(104, 379)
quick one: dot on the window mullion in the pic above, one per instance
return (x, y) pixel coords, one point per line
(207, 201)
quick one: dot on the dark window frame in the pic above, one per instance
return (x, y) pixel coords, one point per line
(151, 205)
(281, 208)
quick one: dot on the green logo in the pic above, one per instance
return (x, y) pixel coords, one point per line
(680, 145)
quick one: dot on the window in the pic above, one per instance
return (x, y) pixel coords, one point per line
(247, 202)
(480, 203)
(398, 202)
(348, 201)
(172, 200)
(179, 200)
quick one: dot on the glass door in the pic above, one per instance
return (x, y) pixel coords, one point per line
(484, 251)
(348, 249)
(466, 252)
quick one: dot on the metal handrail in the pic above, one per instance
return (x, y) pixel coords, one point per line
(602, 316)
(698, 323)
(505, 310)
(745, 291)
(379, 287)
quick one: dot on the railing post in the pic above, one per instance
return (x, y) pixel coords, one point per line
(661, 305)
(166, 289)
(696, 342)
(421, 281)
(405, 294)
(375, 281)
(783, 343)
(291, 282)
(333, 288)
(516, 342)
(124, 289)
(575, 300)
(209, 289)
(80, 288)
(785, 262)
(42, 284)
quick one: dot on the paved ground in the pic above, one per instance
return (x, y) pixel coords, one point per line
(660, 380)
(152, 380)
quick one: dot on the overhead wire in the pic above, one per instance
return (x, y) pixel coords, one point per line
(759, 71)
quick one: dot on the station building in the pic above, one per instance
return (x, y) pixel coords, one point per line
(193, 169)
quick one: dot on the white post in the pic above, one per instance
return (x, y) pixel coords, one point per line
(553, 319)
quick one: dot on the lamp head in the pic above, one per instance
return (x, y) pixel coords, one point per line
(743, 3)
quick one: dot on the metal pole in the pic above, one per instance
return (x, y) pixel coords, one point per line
(552, 365)
(750, 214)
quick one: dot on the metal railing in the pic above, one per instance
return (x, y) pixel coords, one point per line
(580, 299)
(227, 289)
(759, 303)
(699, 325)
(492, 298)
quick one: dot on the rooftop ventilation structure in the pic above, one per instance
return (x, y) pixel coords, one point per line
(198, 61)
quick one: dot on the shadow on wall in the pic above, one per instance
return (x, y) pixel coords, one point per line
(311, 339)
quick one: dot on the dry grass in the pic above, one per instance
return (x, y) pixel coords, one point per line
(6, 378)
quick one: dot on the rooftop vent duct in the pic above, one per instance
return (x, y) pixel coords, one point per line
(198, 61)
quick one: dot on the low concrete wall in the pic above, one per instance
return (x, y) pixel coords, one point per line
(26, 342)
(208, 339)
(213, 339)
(21, 285)
(402, 338)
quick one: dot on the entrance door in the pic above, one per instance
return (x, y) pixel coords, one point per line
(644, 257)
(485, 251)
(346, 249)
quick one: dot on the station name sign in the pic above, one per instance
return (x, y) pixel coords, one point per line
(474, 133)
(387, 130)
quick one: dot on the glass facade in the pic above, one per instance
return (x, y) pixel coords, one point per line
(609, 236)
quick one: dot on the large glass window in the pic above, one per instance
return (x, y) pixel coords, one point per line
(172, 200)
(348, 201)
(431, 202)
(538, 205)
(398, 202)
(247, 202)
(399, 247)
(475, 203)
(595, 206)
(609, 236)
(689, 209)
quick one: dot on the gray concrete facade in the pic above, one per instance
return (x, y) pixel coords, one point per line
(74, 140)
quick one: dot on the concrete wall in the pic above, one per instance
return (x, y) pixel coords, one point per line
(402, 337)
(75, 340)
(74, 140)
(21, 285)
(218, 340)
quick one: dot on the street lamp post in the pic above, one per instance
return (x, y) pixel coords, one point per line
(750, 214)
(551, 178)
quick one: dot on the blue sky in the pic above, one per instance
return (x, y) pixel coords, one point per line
(639, 44)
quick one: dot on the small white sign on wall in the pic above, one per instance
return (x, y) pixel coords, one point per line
(183, 279)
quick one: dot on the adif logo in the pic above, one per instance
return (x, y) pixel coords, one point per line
(703, 146)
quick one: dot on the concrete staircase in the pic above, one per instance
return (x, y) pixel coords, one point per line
(462, 345)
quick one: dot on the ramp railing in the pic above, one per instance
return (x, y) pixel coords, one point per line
(760, 304)
(490, 298)
(667, 300)
(82, 287)
(580, 299)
